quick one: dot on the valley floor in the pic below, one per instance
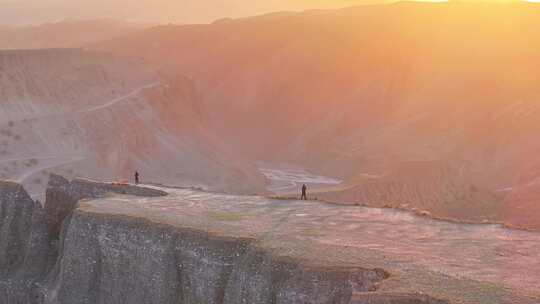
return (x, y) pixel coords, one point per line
(286, 178)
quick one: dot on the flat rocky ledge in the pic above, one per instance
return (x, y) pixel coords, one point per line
(457, 263)
(88, 188)
(108, 243)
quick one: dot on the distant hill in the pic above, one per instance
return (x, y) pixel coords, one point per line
(65, 34)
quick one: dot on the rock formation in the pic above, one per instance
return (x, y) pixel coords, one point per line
(109, 243)
(29, 233)
(62, 197)
(25, 252)
(84, 257)
(161, 265)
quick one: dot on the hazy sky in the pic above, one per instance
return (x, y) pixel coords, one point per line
(185, 11)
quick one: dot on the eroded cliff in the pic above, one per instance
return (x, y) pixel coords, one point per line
(25, 252)
(109, 243)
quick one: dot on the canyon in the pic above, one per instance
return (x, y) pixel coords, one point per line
(414, 126)
(413, 105)
(349, 95)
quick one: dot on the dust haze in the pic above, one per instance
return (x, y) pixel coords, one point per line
(269, 152)
(33, 12)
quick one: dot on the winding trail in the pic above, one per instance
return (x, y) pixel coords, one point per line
(121, 98)
(130, 94)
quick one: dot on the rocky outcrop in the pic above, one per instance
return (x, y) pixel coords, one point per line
(29, 233)
(62, 197)
(25, 253)
(58, 204)
(64, 254)
(121, 260)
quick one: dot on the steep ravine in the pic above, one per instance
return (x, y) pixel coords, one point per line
(65, 254)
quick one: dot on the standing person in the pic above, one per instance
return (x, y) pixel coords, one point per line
(136, 177)
(304, 192)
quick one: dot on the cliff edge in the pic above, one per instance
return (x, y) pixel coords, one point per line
(108, 243)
